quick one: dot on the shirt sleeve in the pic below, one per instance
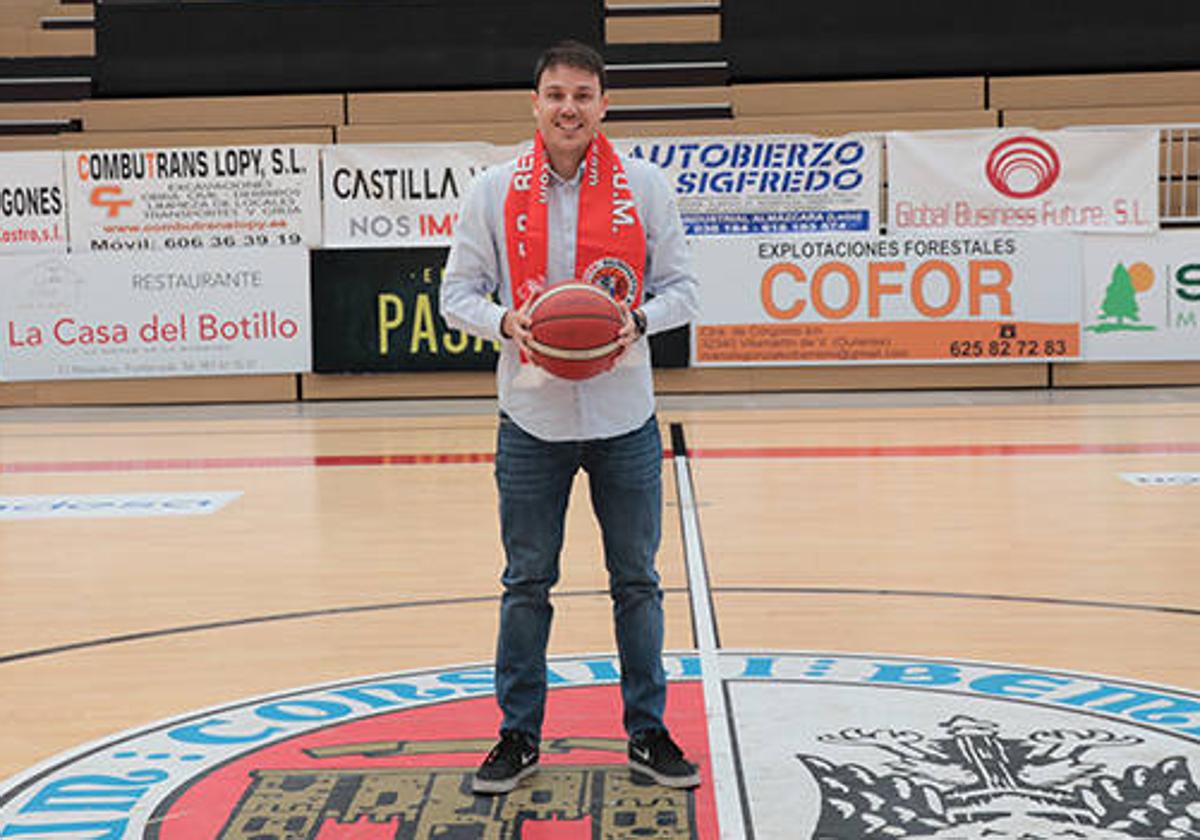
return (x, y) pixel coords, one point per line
(472, 270)
(670, 277)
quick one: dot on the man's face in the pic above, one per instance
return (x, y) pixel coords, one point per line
(568, 107)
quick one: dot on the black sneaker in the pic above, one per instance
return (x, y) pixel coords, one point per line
(514, 757)
(654, 755)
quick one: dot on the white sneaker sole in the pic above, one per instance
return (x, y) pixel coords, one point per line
(680, 782)
(479, 785)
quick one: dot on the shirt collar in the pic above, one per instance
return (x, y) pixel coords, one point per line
(573, 181)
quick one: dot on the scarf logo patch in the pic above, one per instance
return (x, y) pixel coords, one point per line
(615, 276)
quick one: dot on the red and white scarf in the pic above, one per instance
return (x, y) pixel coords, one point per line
(610, 243)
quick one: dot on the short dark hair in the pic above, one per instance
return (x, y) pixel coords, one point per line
(572, 54)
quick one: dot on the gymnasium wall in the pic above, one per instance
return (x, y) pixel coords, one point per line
(641, 108)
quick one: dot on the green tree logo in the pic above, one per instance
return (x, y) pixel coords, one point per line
(1120, 306)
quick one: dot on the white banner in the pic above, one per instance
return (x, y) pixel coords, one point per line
(383, 196)
(1141, 297)
(787, 301)
(33, 203)
(776, 183)
(102, 316)
(192, 199)
(1021, 179)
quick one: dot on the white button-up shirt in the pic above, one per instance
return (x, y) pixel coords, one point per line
(548, 407)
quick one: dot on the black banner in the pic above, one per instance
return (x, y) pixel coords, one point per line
(376, 310)
(224, 47)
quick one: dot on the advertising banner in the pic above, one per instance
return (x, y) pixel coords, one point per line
(785, 301)
(124, 200)
(384, 196)
(33, 203)
(776, 183)
(377, 310)
(1021, 179)
(1141, 297)
(104, 316)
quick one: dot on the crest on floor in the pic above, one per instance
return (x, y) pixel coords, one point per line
(821, 745)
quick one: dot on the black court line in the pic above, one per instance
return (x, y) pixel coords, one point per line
(587, 593)
(267, 619)
(679, 450)
(962, 596)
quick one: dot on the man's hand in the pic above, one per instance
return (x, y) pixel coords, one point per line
(630, 331)
(516, 325)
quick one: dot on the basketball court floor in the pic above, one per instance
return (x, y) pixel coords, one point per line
(936, 615)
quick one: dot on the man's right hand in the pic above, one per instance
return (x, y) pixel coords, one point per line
(516, 325)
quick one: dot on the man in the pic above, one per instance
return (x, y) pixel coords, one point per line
(572, 209)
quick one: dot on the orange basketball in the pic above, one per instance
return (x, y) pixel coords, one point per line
(574, 327)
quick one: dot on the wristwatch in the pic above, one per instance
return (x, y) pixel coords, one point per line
(639, 320)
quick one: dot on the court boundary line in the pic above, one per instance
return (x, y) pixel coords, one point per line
(727, 784)
(999, 597)
(145, 635)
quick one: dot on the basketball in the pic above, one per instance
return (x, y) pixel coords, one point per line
(574, 327)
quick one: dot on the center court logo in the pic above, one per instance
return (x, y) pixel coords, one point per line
(827, 746)
(1023, 167)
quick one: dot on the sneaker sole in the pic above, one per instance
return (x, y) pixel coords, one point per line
(479, 785)
(648, 773)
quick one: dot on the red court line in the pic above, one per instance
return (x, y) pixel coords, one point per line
(970, 450)
(240, 463)
(781, 452)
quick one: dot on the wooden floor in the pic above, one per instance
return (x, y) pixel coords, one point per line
(976, 526)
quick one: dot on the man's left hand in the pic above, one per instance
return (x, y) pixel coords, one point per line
(629, 332)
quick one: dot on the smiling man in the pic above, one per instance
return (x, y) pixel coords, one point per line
(572, 209)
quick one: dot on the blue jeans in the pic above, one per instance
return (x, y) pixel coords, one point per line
(534, 479)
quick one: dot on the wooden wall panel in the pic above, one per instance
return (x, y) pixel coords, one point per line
(663, 29)
(213, 112)
(1093, 374)
(500, 132)
(208, 137)
(952, 94)
(463, 106)
(428, 385)
(67, 110)
(29, 143)
(627, 97)
(1063, 117)
(26, 40)
(197, 389)
(14, 37)
(806, 124)
(61, 42)
(1093, 90)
